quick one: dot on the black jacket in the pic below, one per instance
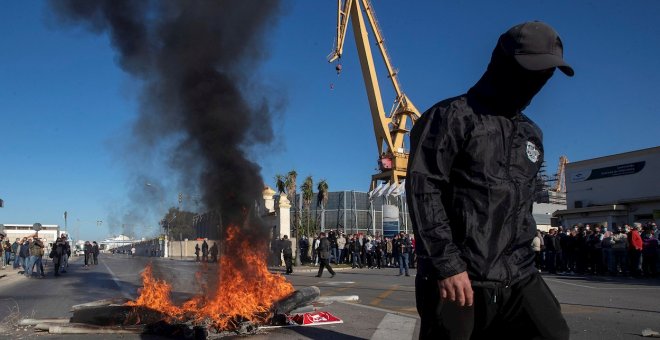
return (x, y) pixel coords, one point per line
(324, 248)
(471, 179)
(287, 247)
(402, 245)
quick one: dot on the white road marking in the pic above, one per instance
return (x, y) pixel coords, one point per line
(114, 278)
(602, 288)
(395, 327)
(339, 298)
(337, 283)
(380, 309)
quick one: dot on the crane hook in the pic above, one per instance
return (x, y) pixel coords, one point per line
(338, 69)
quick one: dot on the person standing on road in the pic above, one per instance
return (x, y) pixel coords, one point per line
(2, 250)
(315, 249)
(214, 252)
(470, 187)
(87, 251)
(36, 247)
(635, 246)
(6, 250)
(15, 248)
(205, 251)
(24, 254)
(304, 245)
(287, 253)
(354, 248)
(95, 252)
(57, 253)
(403, 250)
(341, 248)
(66, 254)
(324, 256)
(196, 252)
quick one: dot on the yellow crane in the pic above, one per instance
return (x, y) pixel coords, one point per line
(560, 184)
(390, 129)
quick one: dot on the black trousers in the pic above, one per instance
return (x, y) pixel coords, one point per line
(526, 310)
(288, 261)
(325, 263)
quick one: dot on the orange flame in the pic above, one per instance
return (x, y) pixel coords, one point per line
(155, 294)
(245, 291)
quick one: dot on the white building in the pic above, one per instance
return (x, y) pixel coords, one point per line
(616, 189)
(118, 241)
(49, 232)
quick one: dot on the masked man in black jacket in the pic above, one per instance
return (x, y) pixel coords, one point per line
(470, 184)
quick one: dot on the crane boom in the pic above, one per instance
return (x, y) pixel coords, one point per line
(390, 130)
(560, 184)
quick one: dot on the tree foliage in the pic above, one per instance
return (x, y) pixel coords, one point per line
(322, 196)
(179, 223)
(290, 183)
(280, 183)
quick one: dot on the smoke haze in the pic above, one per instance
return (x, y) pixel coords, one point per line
(195, 62)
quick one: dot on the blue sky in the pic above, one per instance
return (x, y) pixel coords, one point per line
(66, 107)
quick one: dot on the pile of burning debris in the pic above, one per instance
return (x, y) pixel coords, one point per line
(118, 316)
(235, 301)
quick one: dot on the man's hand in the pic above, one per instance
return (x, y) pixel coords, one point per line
(457, 289)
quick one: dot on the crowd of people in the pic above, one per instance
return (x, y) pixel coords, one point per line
(29, 254)
(628, 250)
(358, 250)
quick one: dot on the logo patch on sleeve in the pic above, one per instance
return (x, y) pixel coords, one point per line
(533, 152)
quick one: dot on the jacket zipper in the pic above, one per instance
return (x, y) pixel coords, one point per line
(507, 249)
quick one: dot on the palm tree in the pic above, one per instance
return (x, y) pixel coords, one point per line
(322, 196)
(290, 185)
(280, 183)
(322, 199)
(307, 189)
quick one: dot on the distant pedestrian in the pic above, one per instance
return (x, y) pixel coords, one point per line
(15, 248)
(87, 251)
(304, 245)
(403, 250)
(214, 252)
(56, 254)
(133, 252)
(324, 256)
(36, 248)
(315, 250)
(197, 252)
(287, 252)
(24, 254)
(205, 252)
(95, 252)
(67, 253)
(6, 249)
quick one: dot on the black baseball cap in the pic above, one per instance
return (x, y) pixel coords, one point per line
(536, 46)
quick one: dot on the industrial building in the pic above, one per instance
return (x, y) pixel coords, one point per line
(613, 190)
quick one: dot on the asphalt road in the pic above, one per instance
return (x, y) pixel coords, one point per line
(595, 307)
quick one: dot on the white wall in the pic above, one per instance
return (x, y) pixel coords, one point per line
(619, 181)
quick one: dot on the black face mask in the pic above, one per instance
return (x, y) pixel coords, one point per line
(506, 88)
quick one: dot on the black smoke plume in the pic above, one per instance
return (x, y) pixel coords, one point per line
(195, 61)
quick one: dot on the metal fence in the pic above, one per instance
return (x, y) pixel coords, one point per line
(351, 211)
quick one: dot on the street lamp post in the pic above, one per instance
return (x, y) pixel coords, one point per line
(167, 227)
